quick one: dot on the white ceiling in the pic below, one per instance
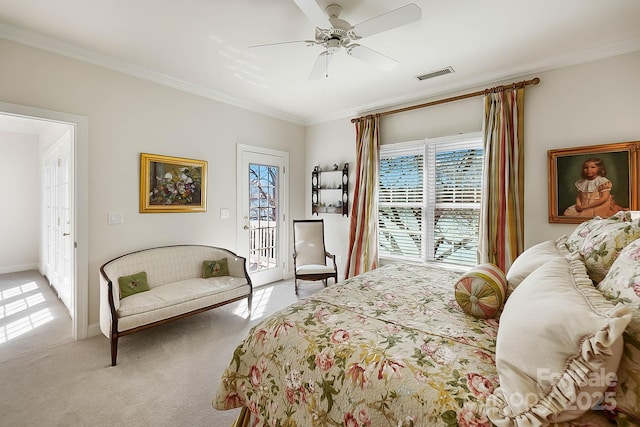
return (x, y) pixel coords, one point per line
(202, 46)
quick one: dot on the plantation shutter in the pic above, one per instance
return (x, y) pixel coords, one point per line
(429, 200)
(401, 201)
(455, 194)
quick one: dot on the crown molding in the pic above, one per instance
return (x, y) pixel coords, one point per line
(39, 41)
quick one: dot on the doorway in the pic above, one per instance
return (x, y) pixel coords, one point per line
(67, 136)
(58, 231)
(263, 207)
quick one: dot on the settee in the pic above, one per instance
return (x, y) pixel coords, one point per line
(154, 286)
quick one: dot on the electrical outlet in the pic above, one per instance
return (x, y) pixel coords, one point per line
(338, 259)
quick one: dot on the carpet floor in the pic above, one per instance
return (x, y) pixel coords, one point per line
(166, 376)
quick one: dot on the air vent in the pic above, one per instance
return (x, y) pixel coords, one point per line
(432, 74)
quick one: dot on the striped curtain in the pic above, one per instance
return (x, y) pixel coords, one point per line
(363, 235)
(501, 234)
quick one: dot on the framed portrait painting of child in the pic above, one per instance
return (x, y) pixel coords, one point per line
(590, 181)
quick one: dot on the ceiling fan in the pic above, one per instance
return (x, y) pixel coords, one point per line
(334, 33)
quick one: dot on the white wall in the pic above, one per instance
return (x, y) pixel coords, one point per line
(128, 116)
(588, 104)
(327, 144)
(19, 215)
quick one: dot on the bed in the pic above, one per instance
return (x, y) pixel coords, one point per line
(394, 347)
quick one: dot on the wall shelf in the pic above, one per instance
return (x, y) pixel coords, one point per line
(330, 190)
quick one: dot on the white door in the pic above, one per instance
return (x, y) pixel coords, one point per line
(59, 219)
(262, 207)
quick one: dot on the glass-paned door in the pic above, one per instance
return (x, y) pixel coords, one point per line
(263, 215)
(261, 234)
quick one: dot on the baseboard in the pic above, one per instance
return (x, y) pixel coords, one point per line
(18, 268)
(93, 330)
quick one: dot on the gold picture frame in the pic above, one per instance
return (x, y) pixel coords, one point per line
(616, 163)
(172, 184)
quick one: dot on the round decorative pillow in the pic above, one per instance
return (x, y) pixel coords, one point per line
(481, 291)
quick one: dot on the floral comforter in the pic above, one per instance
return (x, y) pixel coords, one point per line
(388, 348)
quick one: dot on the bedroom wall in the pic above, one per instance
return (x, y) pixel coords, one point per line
(19, 221)
(587, 104)
(127, 116)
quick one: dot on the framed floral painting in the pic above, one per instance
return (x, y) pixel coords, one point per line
(595, 180)
(172, 184)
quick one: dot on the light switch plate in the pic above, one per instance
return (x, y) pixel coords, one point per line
(224, 213)
(115, 218)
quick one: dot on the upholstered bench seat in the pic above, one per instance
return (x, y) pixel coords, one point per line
(314, 269)
(173, 285)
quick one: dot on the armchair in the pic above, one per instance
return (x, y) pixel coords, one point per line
(309, 254)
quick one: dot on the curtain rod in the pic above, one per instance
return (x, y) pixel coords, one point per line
(512, 86)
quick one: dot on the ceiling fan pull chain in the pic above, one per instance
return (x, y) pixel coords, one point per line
(326, 66)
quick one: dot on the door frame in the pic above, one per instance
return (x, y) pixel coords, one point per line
(80, 254)
(283, 200)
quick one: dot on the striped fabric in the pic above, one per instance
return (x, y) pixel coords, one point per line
(481, 291)
(501, 233)
(363, 234)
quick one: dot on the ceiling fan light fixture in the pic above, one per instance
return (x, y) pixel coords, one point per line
(436, 73)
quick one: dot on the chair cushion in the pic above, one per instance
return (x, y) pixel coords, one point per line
(309, 242)
(314, 269)
(173, 294)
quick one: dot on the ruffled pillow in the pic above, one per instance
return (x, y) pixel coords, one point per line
(481, 291)
(622, 284)
(558, 347)
(533, 258)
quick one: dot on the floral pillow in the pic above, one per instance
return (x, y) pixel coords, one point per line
(576, 239)
(622, 284)
(602, 246)
(215, 268)
(133, 284)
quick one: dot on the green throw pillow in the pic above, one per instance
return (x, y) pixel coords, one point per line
(215, 268)
(133, 284)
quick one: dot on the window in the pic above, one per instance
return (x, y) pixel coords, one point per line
(429, 199)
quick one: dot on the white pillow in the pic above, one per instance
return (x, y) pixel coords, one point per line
(533, 258)
(558, 347)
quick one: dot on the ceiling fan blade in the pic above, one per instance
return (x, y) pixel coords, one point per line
(387, 21)
(307, 42)
(320, 67)
(314, 13)
(372, 57)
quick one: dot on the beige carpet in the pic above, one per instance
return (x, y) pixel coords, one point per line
(166, 376)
